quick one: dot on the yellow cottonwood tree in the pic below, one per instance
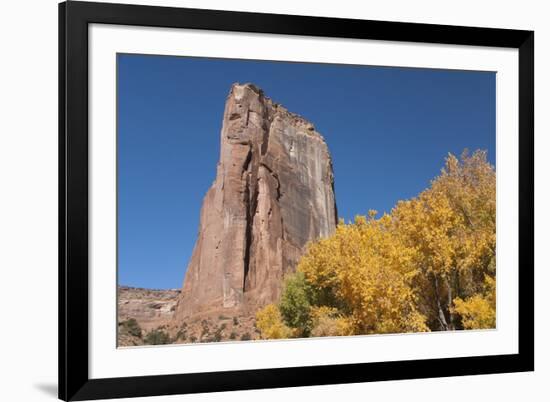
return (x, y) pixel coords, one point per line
(478, 311)
(270, 323)
(370, 274)
(428, 265)
(452, 225)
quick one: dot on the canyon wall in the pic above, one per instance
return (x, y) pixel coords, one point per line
(273, 193)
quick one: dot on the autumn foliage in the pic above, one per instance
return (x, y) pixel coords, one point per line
(429, 265)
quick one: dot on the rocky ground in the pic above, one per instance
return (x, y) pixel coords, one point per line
(215, 327)
(150, 308)
(145, 316)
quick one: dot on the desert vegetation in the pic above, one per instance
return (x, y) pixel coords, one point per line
(130, 327)
(157, 337)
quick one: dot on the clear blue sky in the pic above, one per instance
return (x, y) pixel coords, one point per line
(388, 130)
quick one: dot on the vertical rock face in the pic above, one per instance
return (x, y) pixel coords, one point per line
(273, 192)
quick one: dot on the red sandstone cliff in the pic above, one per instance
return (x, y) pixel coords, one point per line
(274, 192)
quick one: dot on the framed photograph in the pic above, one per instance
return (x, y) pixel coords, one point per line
(258, 201)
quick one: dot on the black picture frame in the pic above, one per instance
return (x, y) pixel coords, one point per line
(74, 381)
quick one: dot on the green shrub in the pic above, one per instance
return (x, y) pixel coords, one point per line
(235, 321)
(157, 337)
(182, 334)
(295, 303)
(233, 335)
(205, 330)
(132, 327)
(246, 337)
(218, 333)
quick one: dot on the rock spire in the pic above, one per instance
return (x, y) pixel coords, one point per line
(273, 193)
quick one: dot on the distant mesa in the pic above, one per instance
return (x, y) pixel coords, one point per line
(273, 193)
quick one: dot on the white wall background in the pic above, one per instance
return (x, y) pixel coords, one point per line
(28, 198)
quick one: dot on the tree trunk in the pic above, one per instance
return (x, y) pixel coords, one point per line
(441, 314)
(450, 304)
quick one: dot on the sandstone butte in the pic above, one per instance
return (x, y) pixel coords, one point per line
(273, 193)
